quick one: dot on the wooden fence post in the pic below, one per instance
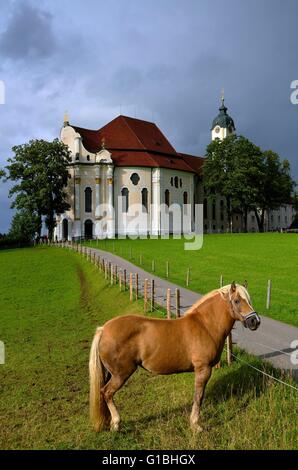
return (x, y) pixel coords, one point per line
(167, 269)
(120, 281)
(124, 279)
(130, 287)
(137, 285)
(187, 276)
(268, 301)
(106, 270)
(177, 298)
(229, 349)
(116, 273)
(169, 303)
(152, 295)
(145, 295)
(112, 274)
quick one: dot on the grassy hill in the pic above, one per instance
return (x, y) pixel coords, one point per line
(51, 302)
(252, 256)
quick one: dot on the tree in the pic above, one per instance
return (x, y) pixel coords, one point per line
(232, 169)
(24, 226)
(40, 170)
(275, 187)
(249, 178)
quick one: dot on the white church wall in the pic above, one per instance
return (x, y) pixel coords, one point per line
(168, 181)
(122, 179)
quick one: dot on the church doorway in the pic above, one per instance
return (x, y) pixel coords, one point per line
(88, 229)
(65, 229)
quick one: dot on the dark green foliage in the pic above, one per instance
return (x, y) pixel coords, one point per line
(249, 178)
(24, 226)
(39, 169)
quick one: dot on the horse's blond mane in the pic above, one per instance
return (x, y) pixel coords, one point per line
(223, 291)
(242, 291)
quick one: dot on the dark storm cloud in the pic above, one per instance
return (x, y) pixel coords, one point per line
(28, 34)
(162, 61)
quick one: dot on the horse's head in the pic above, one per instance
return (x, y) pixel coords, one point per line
(240, 305)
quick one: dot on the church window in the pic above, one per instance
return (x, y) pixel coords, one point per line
(135, 178)
(172, 181)
(125, 201)
(180, 182)
(213, 210)
(176, 181)
(145, 199)
(167, 197)
(88, 158)
(205, 209)
(185, 202)
(88, 200)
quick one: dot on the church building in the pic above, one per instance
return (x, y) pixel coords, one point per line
(129, 163)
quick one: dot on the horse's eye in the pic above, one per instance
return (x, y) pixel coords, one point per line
(237, 301)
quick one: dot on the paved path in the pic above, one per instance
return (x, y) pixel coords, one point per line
(272, 341)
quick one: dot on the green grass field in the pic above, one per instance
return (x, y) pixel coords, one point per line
(51, 302)
(255, 257)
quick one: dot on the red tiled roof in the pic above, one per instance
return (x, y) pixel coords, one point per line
(133, 142)
(196, 163)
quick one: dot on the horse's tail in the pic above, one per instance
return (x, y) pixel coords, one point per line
(99, 412)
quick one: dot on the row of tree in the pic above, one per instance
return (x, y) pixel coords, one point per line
(250, 179)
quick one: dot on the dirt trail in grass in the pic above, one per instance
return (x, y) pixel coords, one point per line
(85, 298)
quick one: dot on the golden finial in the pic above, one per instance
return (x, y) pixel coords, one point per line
(66, 119)
(222, 96)
(103, 142)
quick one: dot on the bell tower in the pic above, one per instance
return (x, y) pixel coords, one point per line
(223, 125)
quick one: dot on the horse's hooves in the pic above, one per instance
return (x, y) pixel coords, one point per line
(197, 429)
(114, 427)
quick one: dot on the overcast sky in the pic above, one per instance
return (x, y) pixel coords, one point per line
(160, 60)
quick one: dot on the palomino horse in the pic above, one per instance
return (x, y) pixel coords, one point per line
(193, 342)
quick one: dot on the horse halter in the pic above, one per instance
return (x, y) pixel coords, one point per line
(251, 320)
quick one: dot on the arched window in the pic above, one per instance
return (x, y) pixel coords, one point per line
(167, 197)
(88, 200)
(145, 199)
(125, 201)
(172, 181)
(205, 208)
(221, 210)
(180, 182)
(213, 210)
(65, 229)
(176, 181)
(185, 198)
(88, 225)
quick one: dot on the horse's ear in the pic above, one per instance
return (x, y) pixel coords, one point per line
(245, 284)
(233, 287)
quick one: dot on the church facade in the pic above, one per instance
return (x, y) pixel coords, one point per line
(129, 166)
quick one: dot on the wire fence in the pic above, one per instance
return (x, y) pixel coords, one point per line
(263, 372)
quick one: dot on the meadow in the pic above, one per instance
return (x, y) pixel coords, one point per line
(51, 302)
(255, 257)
